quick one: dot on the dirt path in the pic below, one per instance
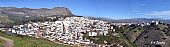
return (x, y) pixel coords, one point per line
(8, 42)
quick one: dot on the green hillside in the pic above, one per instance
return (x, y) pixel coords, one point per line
(26, 41)
(5, 19)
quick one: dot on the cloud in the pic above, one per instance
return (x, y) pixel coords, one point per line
(160, 13)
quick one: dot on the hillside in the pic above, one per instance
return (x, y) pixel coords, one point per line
(25, 41)
(148, 36)
(5, 19)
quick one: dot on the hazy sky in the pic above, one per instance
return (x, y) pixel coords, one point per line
(115, 9)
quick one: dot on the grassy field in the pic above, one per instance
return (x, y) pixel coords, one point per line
(26, 41)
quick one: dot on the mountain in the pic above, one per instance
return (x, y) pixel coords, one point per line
(13, 15)
(133, 20)
(36, 12)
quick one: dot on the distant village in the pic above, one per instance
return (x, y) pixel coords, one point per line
(69, 30)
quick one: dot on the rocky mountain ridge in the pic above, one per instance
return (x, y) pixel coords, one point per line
(36, 12)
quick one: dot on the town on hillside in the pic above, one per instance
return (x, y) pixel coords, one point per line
(73, 30)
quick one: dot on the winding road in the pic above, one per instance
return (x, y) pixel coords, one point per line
(8, 42)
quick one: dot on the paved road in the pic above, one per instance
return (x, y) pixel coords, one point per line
(8, 42)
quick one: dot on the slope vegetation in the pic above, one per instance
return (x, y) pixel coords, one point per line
(25, 41)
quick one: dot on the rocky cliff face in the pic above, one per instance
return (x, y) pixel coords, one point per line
(36, 12)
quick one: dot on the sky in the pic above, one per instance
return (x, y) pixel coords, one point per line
(114, 9)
